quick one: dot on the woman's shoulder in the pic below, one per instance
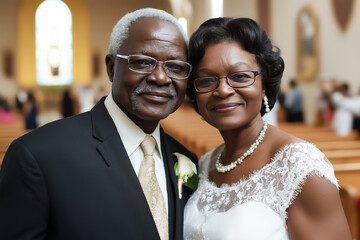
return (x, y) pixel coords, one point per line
(289, 144)
(301, 157)
(282, 138)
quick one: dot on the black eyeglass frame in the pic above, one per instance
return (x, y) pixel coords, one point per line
(256, 73)
(127, 57)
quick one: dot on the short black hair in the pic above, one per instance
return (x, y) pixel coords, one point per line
(252, 38)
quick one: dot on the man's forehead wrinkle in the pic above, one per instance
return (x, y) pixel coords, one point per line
(164, 41)
(167, 34)
(170, 55)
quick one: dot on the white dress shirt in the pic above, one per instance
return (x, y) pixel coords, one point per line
(132, 136)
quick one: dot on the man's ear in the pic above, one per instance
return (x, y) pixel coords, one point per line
(110, 62)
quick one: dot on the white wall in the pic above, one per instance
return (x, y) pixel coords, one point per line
(242, 8)
(8, 86)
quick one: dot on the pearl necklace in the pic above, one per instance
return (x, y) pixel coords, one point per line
(222, 169)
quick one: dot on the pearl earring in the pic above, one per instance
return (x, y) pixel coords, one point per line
(266, 103)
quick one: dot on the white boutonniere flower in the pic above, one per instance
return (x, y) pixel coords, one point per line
(186, 172)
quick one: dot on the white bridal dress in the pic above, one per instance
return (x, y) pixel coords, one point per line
(253, 208)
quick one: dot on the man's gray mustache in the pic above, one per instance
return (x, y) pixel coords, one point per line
(149, 88)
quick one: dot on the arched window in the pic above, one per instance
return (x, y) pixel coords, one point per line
(216, 8)
(54, 52)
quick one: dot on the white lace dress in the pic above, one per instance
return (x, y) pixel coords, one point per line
(253, 208)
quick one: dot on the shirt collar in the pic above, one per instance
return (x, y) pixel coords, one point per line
(126, 127)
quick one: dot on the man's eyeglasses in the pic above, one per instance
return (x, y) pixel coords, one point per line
(144, 64)
(239, 79)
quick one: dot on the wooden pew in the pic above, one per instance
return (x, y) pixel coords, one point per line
(203, 145)
(324, 136)
(338, 145)
(337, 152)
(349, 198)
(343, 156)
(348, 173)
(6, 140)
(316, 133)
(302, 127)
(2, 155)
(194, 133)
(9, 132)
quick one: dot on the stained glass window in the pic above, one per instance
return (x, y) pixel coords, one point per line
(54, 52)
(216, 8)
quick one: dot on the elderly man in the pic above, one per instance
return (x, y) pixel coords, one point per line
(107, 173)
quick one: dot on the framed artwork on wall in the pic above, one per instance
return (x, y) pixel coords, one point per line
(307, 30)
(95, 64)
(8, 63)
(343, 11)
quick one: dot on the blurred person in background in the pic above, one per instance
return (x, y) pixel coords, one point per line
(293, 103)
(30, 111)
(21, 97)
(69, 104)
(86, 97)
(356, 124)
(6, 115)
(325, 109)
(346, 108)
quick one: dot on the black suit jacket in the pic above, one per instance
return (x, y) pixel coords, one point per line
(72, 179)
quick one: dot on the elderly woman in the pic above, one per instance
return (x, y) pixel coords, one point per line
(262, 183)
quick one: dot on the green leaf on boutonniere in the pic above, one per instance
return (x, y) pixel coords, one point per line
(192, 182)
(176, 169)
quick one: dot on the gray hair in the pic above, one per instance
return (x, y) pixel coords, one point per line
(121, 30)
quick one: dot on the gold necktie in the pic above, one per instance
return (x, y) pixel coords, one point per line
(151, 188)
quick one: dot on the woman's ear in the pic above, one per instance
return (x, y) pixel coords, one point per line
(110, 62)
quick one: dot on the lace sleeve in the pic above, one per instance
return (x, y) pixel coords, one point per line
(300, 162)
(276, 185)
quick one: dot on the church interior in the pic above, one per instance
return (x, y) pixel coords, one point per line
(319, 42)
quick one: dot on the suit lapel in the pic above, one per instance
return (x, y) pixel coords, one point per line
(121, 172)
(175, 206)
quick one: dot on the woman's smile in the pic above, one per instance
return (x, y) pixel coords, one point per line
(227, 107)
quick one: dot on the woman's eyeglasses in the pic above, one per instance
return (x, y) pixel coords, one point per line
(239, 79)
